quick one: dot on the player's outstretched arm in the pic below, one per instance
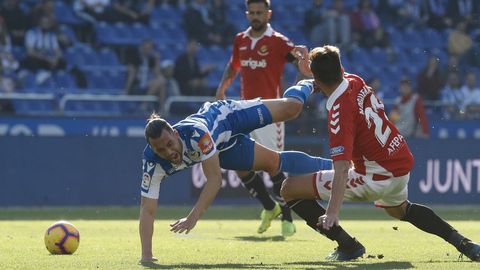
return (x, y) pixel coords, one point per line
(147, 217)
(339, 183)
(228, 76)
(211, 169)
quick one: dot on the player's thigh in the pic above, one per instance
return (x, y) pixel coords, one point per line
(265, 159)
(239, 154)
(299, 187)
(283, 109)
(246, 115)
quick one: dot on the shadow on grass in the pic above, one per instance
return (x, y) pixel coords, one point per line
(292, 265)
(252, 238)
(153, 265)
(352, 265)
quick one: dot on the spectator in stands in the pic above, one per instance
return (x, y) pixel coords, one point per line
(437, 14)
(459, 42)
(376, 84)
(328, 25)
(8, 62)
(92, 11)
(465, 10)
(472, 56)
(408, 113)
(364, 22)
(379, 39)
(452, 96)
(198, 23)
(7, 85)
(15, 19)
(225, 30)
(47, 8)
(43, 50)
(189, 74)
(131, 11)
(471, 95)
(430, 80)
(41, 9)
(171, 85)
(411, 14)
(144, 75)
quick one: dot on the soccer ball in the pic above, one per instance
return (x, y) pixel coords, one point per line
(62, 238)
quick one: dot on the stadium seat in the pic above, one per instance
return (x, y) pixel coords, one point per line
(107, 57)
(64, 81)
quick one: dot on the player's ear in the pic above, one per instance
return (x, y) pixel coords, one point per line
(269, 14)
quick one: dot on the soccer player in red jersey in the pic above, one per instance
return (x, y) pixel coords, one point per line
(371, 161)
(259, 54)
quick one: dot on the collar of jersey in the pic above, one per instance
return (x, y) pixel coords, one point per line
(337, 93)
(268, 32)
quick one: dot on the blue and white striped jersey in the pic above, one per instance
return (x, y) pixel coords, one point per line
(203, 134)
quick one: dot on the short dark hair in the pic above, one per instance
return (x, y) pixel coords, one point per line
(325, 64)
(155, 126)
(266, 2)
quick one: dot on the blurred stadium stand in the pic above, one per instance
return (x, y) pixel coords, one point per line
(60, 94)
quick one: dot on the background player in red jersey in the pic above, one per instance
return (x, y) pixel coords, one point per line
(259, 54)
(360, 134)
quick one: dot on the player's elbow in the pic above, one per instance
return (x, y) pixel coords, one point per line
(293, 109)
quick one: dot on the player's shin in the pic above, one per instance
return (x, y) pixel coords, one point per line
(426, 220)
(277, 186)
(310, 210)
(255, 186)
(297, 163)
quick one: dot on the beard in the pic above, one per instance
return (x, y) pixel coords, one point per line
(258, 25)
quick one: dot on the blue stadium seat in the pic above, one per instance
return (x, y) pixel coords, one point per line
(68, 31)
(413, 39)
(107, 57)
(64, 14)
(433, 39)
(65, 81)
(378, 56)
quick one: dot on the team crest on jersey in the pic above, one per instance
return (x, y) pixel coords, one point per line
(205, 143)
(193, 155)
(263, 51)
(146, 180)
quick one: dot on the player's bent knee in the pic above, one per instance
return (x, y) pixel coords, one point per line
(285, 191)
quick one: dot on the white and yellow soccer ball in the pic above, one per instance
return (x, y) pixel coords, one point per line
(62, 238)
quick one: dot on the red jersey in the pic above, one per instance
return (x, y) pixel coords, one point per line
(360, 131)
(261, 62)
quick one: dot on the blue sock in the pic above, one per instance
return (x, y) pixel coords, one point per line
(301, 91)
(294, 162)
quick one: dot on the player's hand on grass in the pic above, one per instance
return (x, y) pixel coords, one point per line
(183, 225)
(327, 221)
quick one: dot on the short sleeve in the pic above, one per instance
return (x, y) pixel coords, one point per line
(152, 176)
(286, 45)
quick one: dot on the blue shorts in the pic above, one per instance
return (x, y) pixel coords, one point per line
(239, 154)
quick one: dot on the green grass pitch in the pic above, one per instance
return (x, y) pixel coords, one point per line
(226, 238)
